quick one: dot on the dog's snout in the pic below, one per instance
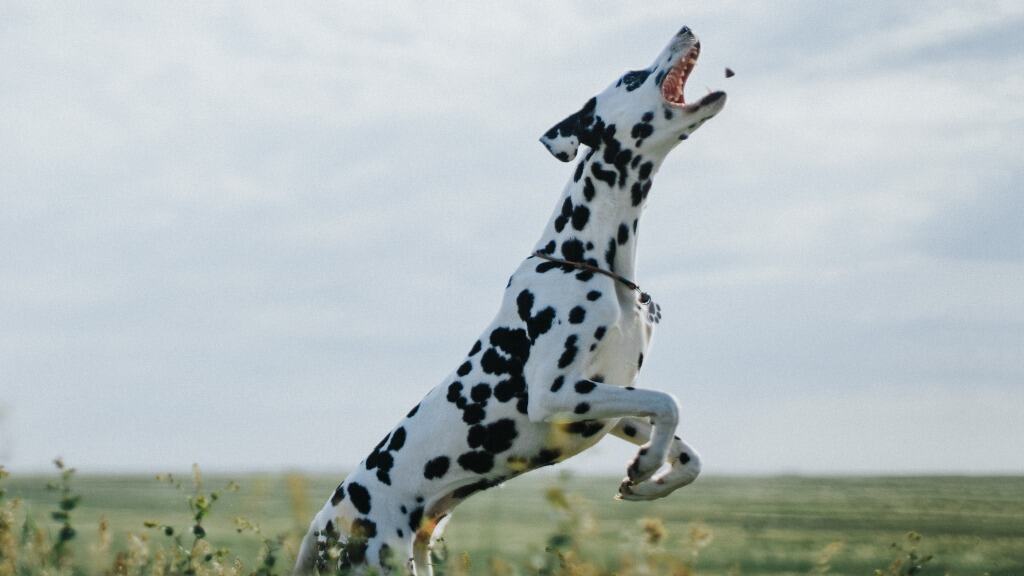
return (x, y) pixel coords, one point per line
(684, 31)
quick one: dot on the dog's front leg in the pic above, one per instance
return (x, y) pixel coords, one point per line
(572, 399)
(684, 463)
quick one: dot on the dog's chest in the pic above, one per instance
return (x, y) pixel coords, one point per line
(618, 357)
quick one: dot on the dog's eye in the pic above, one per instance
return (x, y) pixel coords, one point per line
(634, 79)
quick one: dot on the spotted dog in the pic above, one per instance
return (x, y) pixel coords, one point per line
(553, 372)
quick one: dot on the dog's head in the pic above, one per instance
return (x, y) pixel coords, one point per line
(644, 109)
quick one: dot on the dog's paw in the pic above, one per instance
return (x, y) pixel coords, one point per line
(683, 470)
(644, 465)
(647, 490)
(657, 487)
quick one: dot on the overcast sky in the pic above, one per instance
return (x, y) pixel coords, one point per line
(253, 237)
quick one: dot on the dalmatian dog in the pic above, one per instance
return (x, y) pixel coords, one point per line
(554, 371)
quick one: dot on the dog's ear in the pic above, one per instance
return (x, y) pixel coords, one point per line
(563, 139)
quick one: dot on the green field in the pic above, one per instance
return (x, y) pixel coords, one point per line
(720, 525)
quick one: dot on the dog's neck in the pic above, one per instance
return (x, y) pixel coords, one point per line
(597, 216)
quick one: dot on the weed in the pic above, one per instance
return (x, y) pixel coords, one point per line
(577, 546)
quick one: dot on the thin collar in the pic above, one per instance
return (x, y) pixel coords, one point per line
(644, 297)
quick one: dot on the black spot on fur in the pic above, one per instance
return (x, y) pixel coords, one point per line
(523, 404)
(509, 389)
(585, 387)
(577, 314)
(645, 170)
(477, 461)
(413, 412)
(623, 233)
(593, 295)
(565, 215)
(481, 392)
(478, 345)
(549, 248)
(636, 192)
(585, 428)
(569, 354)
(640, 361)
(495, 437)
(606, 176)
(580, 215)
(609, 254)
(599, 333)
(684, 458)
(635, 79)
(535, 324)
(582, 408)
(455, 392)
(384, 464)
(381, 460)
(339, 494)
(386, 556)
(466, 367)
(436, 468)
(579, 172)
(629, 431)
(572, 250)
(641, 130)
(557, 384)
(473, 413)
(397, 440)
(360, 497)
(478, 486)
(524, 303)
(545, 266)
(416, 519)
(588, 189)
(514, 343)
(545, 457)
(363, 528)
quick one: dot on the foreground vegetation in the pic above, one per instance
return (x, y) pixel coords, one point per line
(550, 526)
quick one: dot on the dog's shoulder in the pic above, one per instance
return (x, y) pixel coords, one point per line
(570, 296)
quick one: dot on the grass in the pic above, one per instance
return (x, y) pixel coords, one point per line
(720, 525)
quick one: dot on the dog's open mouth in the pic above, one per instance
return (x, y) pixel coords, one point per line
(675, 80)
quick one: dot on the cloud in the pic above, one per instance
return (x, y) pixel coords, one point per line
(236, 216)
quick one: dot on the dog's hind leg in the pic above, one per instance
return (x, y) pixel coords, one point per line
(683, 460)
(421, 556)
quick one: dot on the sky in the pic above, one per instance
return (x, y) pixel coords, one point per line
(253, 236)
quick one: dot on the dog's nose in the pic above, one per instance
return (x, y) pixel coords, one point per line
(684, 31)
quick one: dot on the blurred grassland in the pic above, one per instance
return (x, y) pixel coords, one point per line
(720, 525)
